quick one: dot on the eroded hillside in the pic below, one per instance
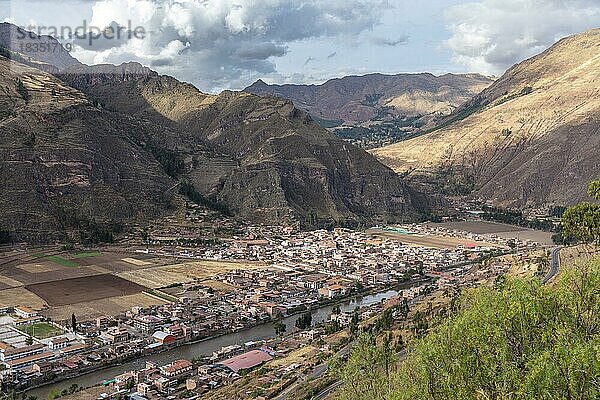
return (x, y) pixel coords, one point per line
(532, 138)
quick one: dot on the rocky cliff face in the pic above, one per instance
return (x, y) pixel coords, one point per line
(266, 159)
(104, 144)
(65, 162)
(44, 52)
(310, 170)
(530, 139)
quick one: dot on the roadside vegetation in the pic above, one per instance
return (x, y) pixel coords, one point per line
(513, 339)
(516, 339)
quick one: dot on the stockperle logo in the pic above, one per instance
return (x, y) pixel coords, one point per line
(86, 36)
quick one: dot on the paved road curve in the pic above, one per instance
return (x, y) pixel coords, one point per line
(554, 265)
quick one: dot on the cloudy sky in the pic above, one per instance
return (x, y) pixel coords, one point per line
(228, 44)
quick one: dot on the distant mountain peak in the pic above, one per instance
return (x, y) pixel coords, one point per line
(377, 107)
(21, 41)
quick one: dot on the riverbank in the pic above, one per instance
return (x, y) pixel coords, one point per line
(195, 349)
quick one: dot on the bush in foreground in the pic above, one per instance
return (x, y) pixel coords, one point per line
(517, 340)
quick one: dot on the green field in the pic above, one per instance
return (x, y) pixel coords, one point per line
(41, 330)
(63, 261)
(162, 295)
(84, 254)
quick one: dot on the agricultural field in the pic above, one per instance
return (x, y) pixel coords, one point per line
(97, 283)
(62, 261)
(97, 308)
(78, 290)
(41, 330)
(220, 286)
(487, 228)
(159, 277)
(21, 297)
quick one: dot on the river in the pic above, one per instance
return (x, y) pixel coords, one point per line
(207, 347)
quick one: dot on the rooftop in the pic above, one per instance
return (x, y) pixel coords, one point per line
(247, 360)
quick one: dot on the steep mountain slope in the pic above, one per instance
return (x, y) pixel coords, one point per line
(263, 157)
(65, 164)
(88, 147)
(392, 104)
(530, 139)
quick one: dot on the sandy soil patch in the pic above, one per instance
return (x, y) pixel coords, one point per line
(432, 241)
(10, 282)
(489, 228)
(478, 227)
(100, 270)
(220, 286)
(298, 356)
(21, 297)
(37, 268)
(158, 277)
(136, 262)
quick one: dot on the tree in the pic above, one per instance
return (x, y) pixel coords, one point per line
(188, 190)
(594, 190)
(420, 324)
(29, 340)
(304, 321)
(332, 327)
(364, 373)
(280, 328)
(4, 236)
(516, 340)
(73, 388)
(354, 323)
(29, 140)
(388, 356)
(53, 394)
(73, 323)
(22, 90)
(582, 221)
(336, 310)
(404, 309)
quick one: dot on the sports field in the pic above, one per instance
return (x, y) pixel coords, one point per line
(41, 330)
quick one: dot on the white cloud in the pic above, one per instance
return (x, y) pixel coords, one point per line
(221, 44)
(491, 35)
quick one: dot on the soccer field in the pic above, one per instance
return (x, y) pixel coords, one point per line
(41, 330)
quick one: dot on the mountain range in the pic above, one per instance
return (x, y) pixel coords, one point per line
(531, 139)
(105, 145)
(376, 108)
(87, 145)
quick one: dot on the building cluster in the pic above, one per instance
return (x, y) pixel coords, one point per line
(301, 271)
(23, 356)
(187, 378)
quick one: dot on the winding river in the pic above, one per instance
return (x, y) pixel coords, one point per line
(207, 347)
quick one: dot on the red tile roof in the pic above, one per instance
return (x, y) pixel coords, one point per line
(248, 360)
